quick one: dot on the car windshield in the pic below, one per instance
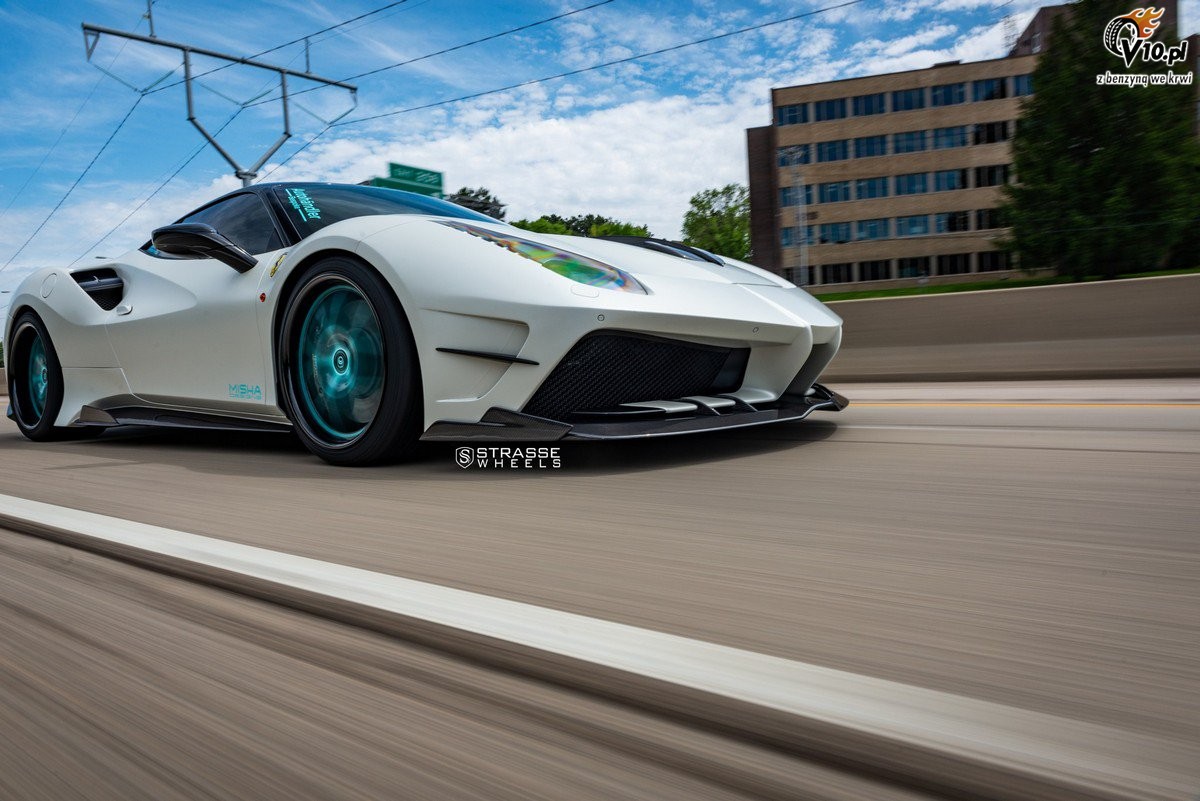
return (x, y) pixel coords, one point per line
(312, 207)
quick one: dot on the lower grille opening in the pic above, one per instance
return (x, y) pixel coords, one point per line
(605, 369)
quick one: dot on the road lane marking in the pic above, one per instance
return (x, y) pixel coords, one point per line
(914, 735)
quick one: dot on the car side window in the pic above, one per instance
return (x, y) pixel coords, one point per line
(244, 220)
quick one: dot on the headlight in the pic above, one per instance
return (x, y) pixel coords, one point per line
(569, 265)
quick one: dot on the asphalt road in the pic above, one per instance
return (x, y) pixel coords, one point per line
(1035, 545)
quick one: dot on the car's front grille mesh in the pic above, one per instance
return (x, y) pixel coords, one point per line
(607, 369)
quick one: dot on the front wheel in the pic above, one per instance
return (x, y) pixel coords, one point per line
(348, 366)
(35, 382)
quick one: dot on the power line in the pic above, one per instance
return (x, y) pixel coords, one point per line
(158, 189)
(63, 200)
(292, 42)
(612, 63)
(66, 128)
(241, 107)
(567, 74)
(462, 46)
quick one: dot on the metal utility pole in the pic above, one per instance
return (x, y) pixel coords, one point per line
(92, 34)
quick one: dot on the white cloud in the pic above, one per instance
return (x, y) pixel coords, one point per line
(640, 161)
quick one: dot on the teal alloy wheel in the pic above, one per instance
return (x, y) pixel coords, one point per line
(347, 364)
(340, 362)
(38, 377)
(35, 382)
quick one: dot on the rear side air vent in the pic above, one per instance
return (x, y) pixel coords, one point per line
(102, 284)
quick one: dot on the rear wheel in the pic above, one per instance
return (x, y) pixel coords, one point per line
(35, 382)
(348, 366)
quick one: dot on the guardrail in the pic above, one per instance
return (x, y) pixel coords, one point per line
(1142, 327)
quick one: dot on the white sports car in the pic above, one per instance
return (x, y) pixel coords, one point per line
(367, 319)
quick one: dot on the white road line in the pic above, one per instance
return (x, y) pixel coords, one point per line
(927, 738)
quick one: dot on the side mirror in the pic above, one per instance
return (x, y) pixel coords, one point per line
(201, 241)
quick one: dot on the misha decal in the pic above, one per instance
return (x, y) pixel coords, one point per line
(245, 392)
(1130, 37)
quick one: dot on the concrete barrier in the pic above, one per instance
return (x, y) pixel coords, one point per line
(1139, 327)
(1143, 327)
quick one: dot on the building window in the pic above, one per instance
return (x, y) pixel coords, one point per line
(913, 267)
(790, 195)
(866, 105)
(829, 109)
(795, 275)
(988, 89)
(989, 218)
(908, 142)
(949, 222)
(994, 175)
(792, 155)
(874, 229)
(949, 94)
(954, 136)
(791, 115)
(908, 99)
(866, 146)
(834, 192)
(987, 133)
(916, 225)
(870, 188)
(837, 150)
(1022, 85)
(874, 270)
(835, 273)
(916, 183)
(954, 264)
(993, 260)
(793, 236)
(947, 180)
(835, 233)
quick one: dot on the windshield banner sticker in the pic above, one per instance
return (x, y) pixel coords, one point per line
(303, 204)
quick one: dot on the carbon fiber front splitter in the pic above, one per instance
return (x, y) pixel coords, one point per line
(509, 426)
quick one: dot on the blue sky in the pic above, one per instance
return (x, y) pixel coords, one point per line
(633, 141)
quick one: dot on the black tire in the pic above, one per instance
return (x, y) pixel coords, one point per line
(1113, 31)
(347, 365)
(35, 382)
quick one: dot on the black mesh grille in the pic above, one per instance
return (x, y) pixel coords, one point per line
(604, 370)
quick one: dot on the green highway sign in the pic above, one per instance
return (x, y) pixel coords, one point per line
(411, 179)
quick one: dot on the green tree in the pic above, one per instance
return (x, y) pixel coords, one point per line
(1107, 174)
(544, 225)
(480, 200)
(583, 225)
(718, 220)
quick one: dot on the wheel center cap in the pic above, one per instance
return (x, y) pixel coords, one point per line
(341, 360)
(45, 374)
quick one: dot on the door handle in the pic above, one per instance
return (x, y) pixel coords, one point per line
(123, 309)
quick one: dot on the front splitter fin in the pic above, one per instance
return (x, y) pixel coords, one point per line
(504, 425)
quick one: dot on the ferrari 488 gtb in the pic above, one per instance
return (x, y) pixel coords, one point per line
(367, 319)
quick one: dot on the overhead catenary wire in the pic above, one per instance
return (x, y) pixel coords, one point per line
(463, 46)
(71, 189)
(242, 106)
(297, 40)
(66, 128)
(159, 188)
(567, 74)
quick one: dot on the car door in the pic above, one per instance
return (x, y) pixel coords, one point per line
(186, 333)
